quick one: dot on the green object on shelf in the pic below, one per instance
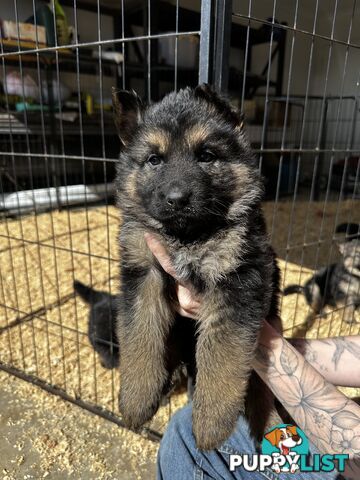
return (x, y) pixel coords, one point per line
(21, 106)
(62, 28)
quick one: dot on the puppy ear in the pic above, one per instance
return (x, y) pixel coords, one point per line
(128, 110)
(272, 437)
(233, 116)
(205, 91)
(292, 429)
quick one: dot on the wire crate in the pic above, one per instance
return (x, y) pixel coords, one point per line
(290, 69)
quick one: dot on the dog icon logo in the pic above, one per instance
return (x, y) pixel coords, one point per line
(284, 438)
(285, 443)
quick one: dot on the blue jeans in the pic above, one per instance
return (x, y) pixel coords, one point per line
(179, 459)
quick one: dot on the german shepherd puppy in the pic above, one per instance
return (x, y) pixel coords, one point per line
(335, 284)
(102, 323)
(186, 173)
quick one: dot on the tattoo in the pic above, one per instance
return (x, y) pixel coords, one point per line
(341, 345)
(330, 419)
(305, 347)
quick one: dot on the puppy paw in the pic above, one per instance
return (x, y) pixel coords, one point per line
(211, 431)
(136, 410)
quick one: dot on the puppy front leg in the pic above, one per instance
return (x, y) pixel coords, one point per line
(143, 326)
(225, 350)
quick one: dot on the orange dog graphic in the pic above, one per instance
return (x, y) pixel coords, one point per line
(284, 438)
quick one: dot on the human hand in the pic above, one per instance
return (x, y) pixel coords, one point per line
(188, 302)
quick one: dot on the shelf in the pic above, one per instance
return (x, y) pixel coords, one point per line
(6, 43)
(91, 124)
(67, 59)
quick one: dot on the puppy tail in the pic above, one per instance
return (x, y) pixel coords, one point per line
(87, 293)
(352, 230)
(289, 290)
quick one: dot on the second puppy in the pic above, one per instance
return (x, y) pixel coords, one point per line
(102, 323)
(336, 284)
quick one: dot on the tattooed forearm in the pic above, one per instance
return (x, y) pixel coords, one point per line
(344, 345)
(335, 358)
(308, 349)
(329, 419)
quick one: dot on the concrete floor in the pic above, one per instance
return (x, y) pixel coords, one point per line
(43, 436)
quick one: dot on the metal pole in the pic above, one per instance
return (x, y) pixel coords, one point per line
(222, 44)
(321, 155)
(206, 34)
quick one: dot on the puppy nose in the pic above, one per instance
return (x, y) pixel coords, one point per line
(177, 197)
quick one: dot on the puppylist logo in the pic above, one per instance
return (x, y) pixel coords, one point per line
(285, 449)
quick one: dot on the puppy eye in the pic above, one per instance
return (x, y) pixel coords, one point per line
(154, 160)
(206, 156)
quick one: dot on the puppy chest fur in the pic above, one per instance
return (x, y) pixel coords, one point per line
(212, 261)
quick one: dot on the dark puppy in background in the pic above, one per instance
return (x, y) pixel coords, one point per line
(334, 285)
(186, 173)
(102, 323)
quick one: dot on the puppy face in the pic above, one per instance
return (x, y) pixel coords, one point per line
(186, 167)
(351, 253)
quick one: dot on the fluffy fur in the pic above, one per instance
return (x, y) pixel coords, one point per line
(334, 285)
(186, 173)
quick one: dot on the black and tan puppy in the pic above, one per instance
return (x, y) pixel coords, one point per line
(337, 284)
(187, 174)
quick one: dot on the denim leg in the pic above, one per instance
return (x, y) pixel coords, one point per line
(179, 459)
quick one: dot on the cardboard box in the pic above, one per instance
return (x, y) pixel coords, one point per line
(26, 31)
